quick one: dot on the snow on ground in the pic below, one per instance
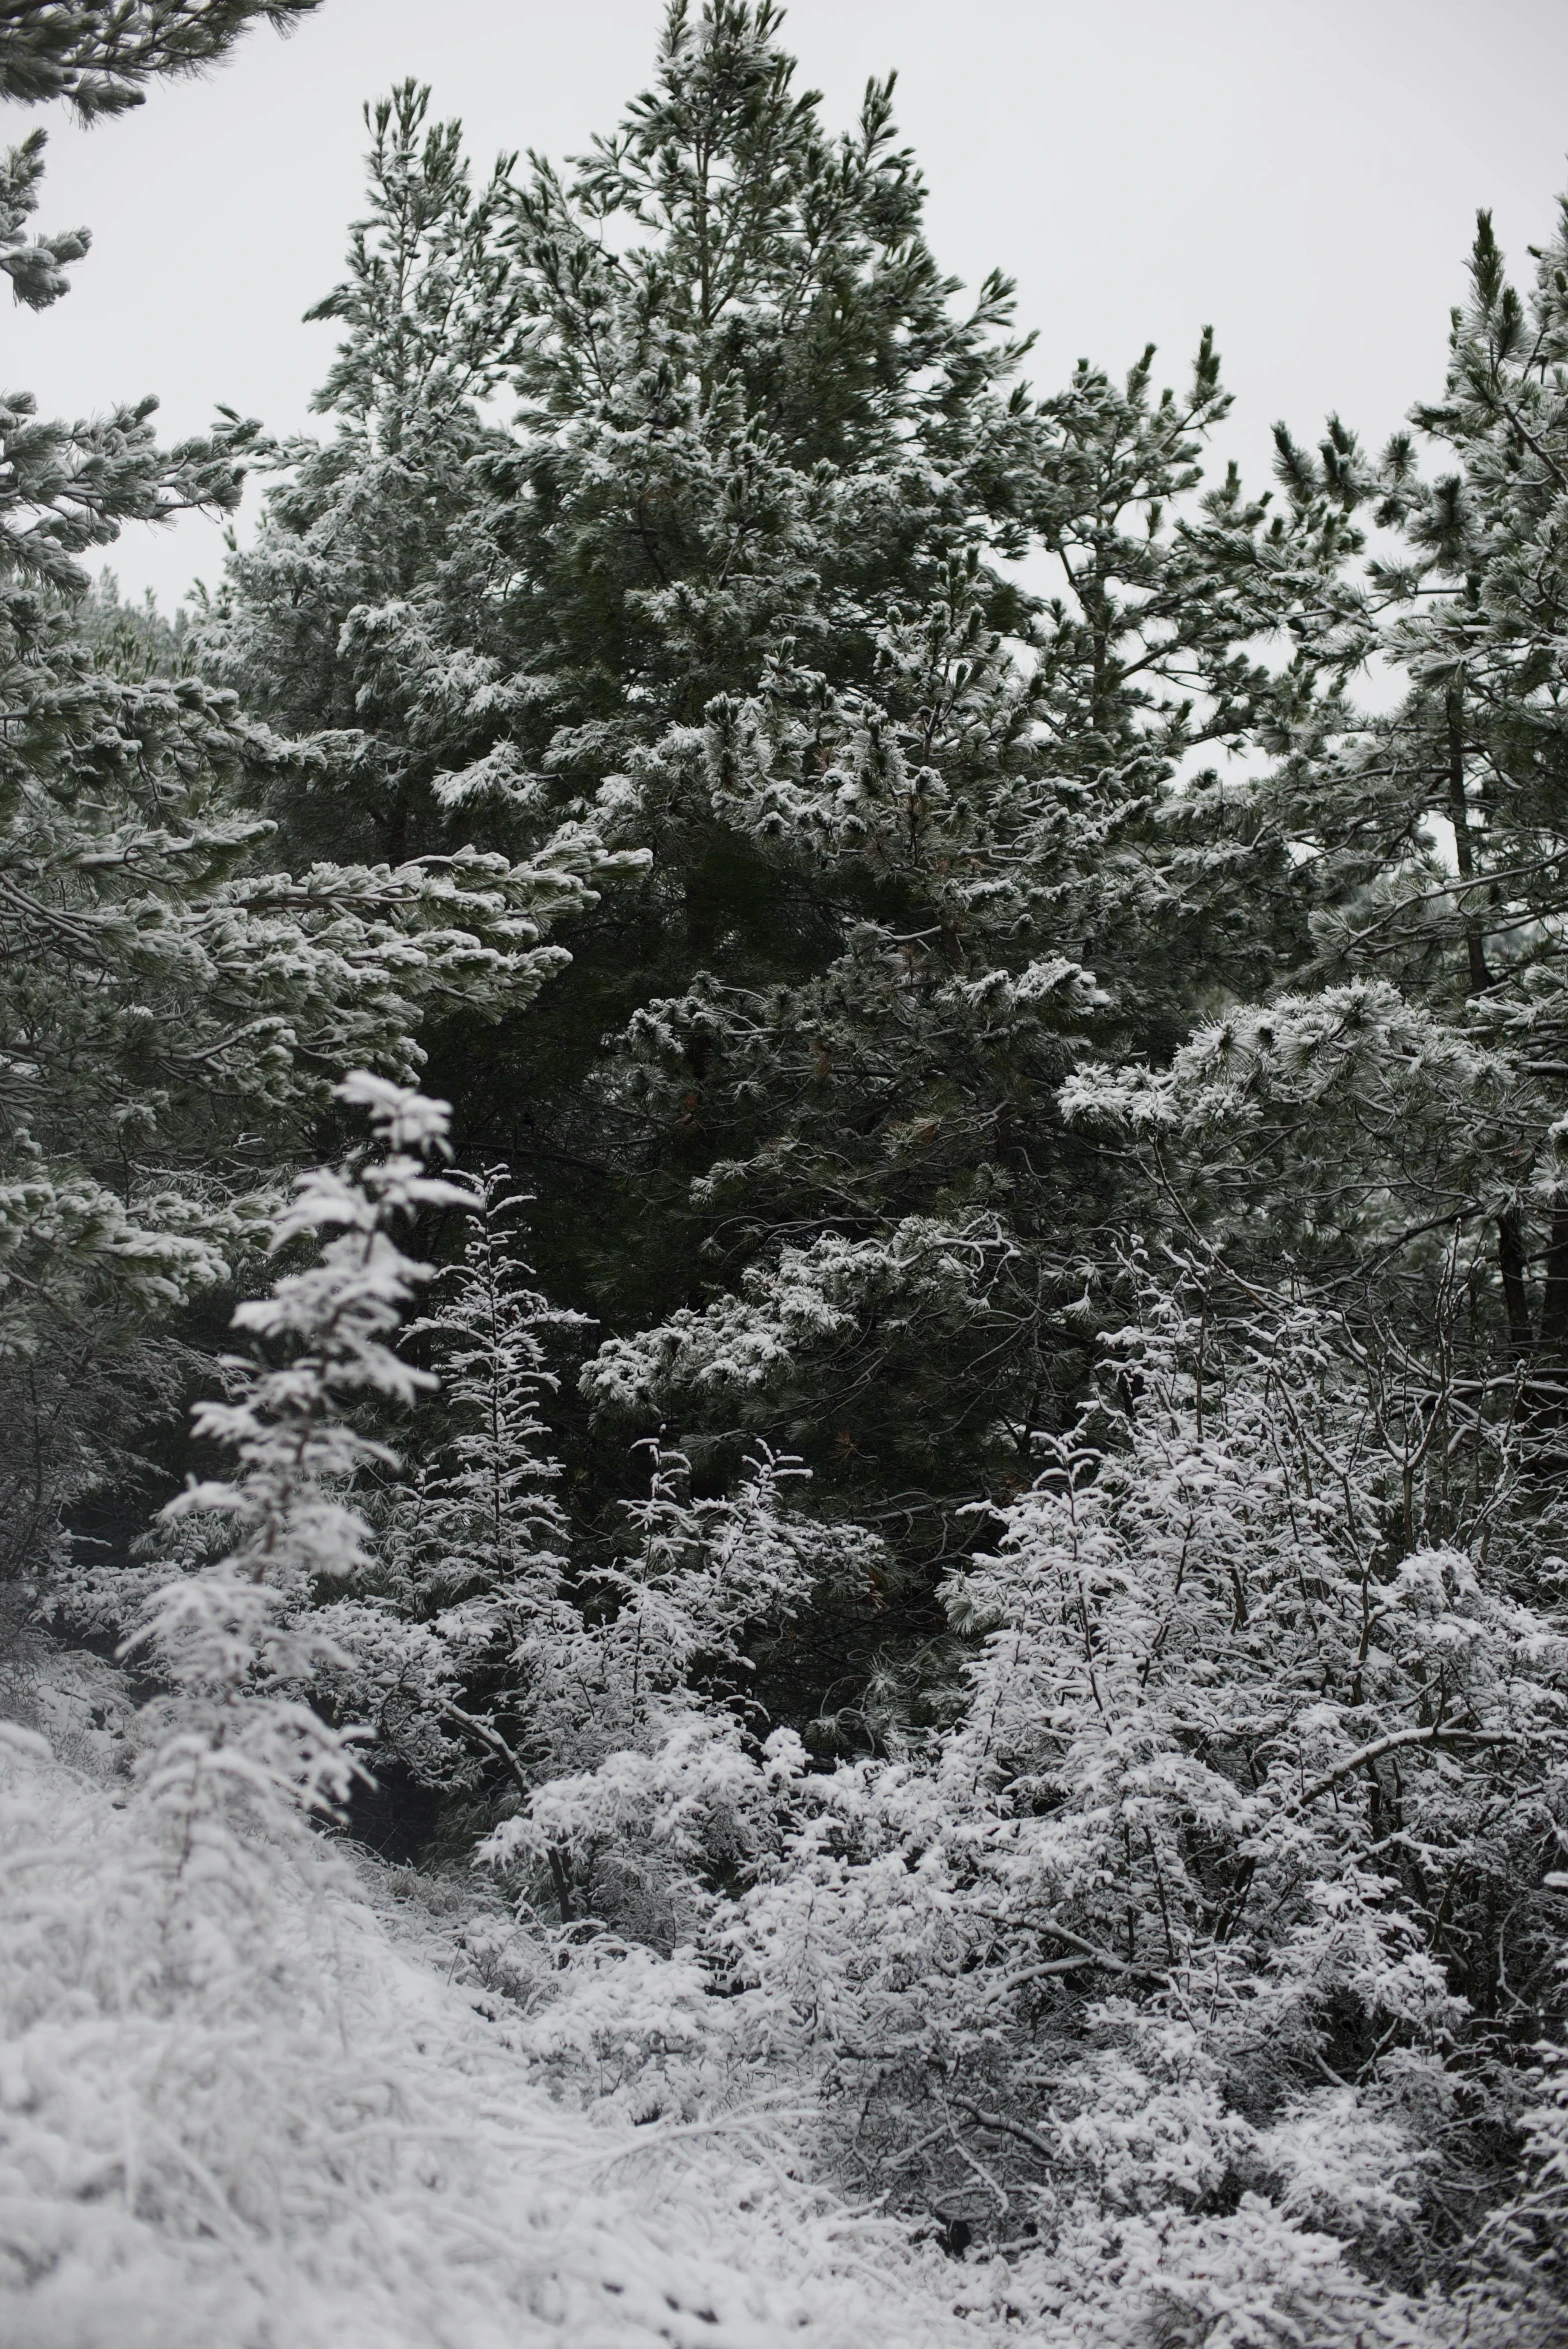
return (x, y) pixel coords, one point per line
(246, 2102)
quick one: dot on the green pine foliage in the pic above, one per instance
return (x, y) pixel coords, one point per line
(99, 54)
(738, 579)
(1388, 1121)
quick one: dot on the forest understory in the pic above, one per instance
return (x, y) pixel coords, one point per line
(783, 1296)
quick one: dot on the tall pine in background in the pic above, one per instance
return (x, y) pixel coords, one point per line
(677, 491)
(1386, 1126)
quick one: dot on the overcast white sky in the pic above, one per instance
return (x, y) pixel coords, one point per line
(1301, 173)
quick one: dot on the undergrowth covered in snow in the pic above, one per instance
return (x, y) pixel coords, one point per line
(1059, 1991)
(250, 2095)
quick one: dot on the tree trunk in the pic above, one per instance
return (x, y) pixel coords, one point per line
(1511, 1263)
(1464, 856)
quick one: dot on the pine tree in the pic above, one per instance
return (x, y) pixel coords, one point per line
(240, 1640)
(465, 1590)
(1027, 1672)
(738, 583)
(368, 606)
(1388, 1123)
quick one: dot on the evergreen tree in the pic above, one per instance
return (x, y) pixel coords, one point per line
(366, 610)
(240, 1639)
(465, 1590)
(1389, 1123)
(740, 583)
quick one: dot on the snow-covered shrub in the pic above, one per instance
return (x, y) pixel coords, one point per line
(1183, 1920)
(1514, 2295)
(1247, 2279)
(645, 1837)
(232, 2108)
(644, 1692)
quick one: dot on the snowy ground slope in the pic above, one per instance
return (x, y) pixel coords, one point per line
(239, 2109)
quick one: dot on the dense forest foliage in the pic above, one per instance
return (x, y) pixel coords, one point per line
(784, 1226)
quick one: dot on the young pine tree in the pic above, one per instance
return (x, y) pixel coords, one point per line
(441, 1645)
(239, 1640)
